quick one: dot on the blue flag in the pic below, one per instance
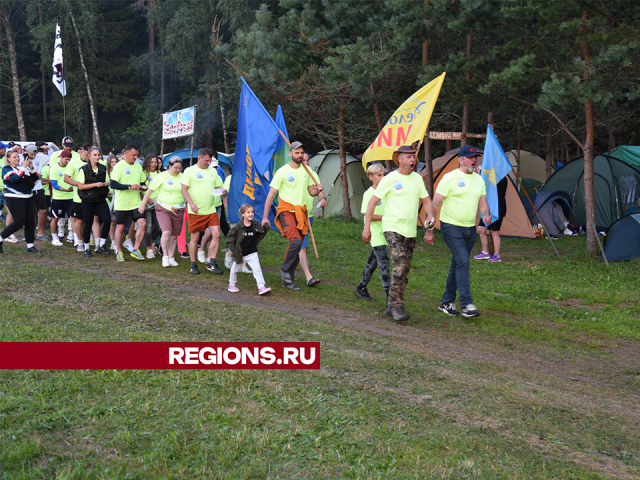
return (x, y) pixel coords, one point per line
(253, 162)
(495, 166)
(281, 155)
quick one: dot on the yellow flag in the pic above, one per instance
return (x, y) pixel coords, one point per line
(407, 125)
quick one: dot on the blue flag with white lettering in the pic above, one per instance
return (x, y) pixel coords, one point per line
(495, 166)
(253, 160)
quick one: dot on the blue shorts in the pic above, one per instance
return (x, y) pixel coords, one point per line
(305, 240)
(61, 208)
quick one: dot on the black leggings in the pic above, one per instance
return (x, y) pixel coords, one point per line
(23, 211)
(89, 210)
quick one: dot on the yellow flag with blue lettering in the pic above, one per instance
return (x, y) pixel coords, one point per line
(407, 125)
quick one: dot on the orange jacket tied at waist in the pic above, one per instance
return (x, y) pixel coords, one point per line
(299, 211)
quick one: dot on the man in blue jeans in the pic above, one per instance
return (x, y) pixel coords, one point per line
(462, 193)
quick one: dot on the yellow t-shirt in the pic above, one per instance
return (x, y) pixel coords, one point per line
(401, 195)
(73, 167)
(125, 174)
(462, 193)
(56, 172)
(168, 189)
(201, 182)
(292, 184)
(377, 238)
(44, 173)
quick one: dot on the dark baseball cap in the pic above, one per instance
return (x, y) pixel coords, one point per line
(67, 142)
(469, 151)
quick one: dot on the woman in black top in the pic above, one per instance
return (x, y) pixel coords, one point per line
(93, 188)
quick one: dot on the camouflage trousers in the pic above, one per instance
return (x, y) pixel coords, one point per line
(401, 252)
(380, 260)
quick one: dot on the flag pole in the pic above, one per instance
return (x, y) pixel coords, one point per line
(313, 238)
(64, 115)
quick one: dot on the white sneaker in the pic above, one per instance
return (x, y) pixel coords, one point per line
(202, 257)
(11, 239)
(70, 237)
(172, 262)
(80, 247)
(228, 260)
(151, 254)
(165, 262)
(56, 243)
(128, 244)
(246, 269)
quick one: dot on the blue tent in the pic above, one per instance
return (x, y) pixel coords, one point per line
(623, 239)
(223, 158)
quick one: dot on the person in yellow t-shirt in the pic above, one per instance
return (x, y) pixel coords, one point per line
(378, 257)
(304, 258)
(401, 192)
(462, 193)
(292, 184)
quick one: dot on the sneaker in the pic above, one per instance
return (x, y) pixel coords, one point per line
(80, 247)
(495, 258)
(202, 258)
(482, 256)
(184, 255)
(362, 292)
(290, 286)
(11, 239)
(32, 250)
(228, 260)
(264, 290)
(194, 270)
(213, 267)
(172, 262)
(165, 262)
(150, 254)
(103, 251)
(87, 253)
(470, 311)
(246, 269)
(449, 309)
(56, 243)
(128, 244)
(136, 254)
(233, 289)
(70, 238)
(42, 238)
(119, 257)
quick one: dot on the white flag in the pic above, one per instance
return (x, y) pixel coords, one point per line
(58, 68)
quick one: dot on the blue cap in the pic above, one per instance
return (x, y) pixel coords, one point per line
(3, 145)
(469, 151)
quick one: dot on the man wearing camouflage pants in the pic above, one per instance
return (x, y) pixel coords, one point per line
(401, 191)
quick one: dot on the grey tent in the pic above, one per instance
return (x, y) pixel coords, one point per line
(327, 165)
(623, 239)
(616, 185)
(555, 211)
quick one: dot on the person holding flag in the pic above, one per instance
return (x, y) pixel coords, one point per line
(292, 183)
(495, 168)
(461, 193)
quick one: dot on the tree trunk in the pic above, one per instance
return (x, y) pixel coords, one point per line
(94, 117)
(152, 40)
(44, 83)
(162, 80)
(343, 161)
(428, 164)
(566, 148)
(376, 113)
(518, 144)
(223, 114)
(208, 141)
(588, 147)
(13, 60)
(547, 149)
(465, 109)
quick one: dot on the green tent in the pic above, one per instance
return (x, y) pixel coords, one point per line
(616, 185)
(327, 165)
(628, 154)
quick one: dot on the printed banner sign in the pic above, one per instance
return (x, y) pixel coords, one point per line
(160, 355)
(181, 123)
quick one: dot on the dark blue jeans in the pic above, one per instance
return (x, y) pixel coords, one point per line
(460, 241)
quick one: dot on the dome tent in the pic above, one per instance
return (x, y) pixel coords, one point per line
(623, 239)
(327, 165)
(616, 185)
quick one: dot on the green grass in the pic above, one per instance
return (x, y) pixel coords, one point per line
(543, 385)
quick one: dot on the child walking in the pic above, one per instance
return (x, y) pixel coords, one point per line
(378, 257)
(242, 241)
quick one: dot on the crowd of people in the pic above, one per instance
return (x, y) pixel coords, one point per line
(134, 201)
